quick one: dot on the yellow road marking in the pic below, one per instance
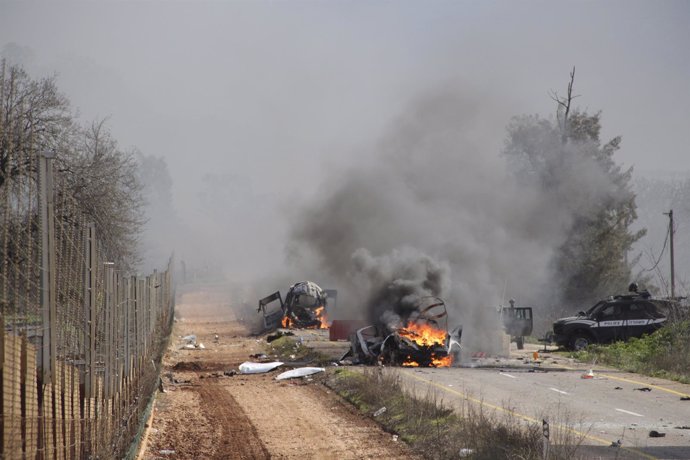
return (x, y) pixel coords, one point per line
(524, 417)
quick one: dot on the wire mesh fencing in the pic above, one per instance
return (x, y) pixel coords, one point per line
(80, 338)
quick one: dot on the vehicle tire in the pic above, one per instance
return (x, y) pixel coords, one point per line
(520, 341)
(580, 340)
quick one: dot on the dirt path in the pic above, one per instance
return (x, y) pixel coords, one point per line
(207, 414)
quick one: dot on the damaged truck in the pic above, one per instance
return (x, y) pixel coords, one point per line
(422, 339)
(305, 306)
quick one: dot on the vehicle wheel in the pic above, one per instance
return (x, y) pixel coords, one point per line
(580, 341)
(520, 341)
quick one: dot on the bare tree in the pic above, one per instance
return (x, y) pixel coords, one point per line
(104, 180)
(34, 116)
(563, 106)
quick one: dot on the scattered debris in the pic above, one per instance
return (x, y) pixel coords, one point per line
(300, 372)
(189, 338)
(258, 356)
(216, 338)
(656, 434)
(618, 388)
(166, 452)
(201, 346)
(466, 452)
(380, 411)
(588, 375)
(258, 368)
(230, 373)
(617, 443)
(643, 389)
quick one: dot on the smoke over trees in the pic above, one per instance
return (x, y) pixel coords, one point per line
(545, 220)
(566, 160)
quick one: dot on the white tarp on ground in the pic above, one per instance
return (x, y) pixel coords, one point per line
(258, 368)
(300, 372)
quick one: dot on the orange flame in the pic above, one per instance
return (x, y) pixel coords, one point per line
(323, 318)
(320, 315)
(410, 363)
(426, 335)
(423, 334)
(444, 361)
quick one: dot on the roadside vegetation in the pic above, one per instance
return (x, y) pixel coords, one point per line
(288, 349)
(665, 353)
(434, 430)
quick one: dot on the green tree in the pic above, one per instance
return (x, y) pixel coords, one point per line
(589, 192)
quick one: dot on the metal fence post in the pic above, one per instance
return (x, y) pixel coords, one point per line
(47, 223)
(128, 308)
(90, 267)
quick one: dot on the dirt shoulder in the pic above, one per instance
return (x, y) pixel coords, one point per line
(205, 413)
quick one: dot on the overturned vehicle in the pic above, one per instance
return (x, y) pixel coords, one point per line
(305, 306)
(422, 339)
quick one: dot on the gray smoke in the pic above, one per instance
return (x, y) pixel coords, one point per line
(433, 212)
(396, 282)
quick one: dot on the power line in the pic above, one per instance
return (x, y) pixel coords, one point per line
(660, 256)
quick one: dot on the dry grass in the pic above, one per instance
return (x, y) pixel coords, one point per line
(436, 431)
(665, 353)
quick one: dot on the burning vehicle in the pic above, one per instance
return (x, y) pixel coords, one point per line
(420, 340)
(305, 306)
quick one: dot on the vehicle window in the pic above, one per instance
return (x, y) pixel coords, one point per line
(639, 310)
(592, 309)
(609, 312)
(653, 311)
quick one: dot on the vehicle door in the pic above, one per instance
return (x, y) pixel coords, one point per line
(517, 321)
(642, 318)
(609, 323)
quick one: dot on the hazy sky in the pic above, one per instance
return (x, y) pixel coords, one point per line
(276, 96)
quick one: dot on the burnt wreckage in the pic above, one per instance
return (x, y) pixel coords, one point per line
(421, 339)
(305, 306)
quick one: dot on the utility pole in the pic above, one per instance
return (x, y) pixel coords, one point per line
(673, 270)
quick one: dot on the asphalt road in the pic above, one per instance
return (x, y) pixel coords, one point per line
(595, 411)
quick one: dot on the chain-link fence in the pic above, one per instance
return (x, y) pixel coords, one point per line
(80, 339)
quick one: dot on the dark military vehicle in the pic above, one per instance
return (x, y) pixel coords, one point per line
(616, 319)
(517, 322)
